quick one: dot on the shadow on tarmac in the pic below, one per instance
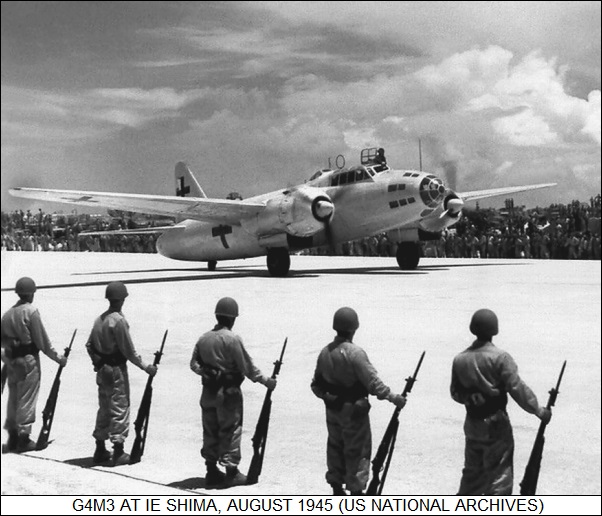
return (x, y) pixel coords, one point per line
(189, 483)
(245, 272)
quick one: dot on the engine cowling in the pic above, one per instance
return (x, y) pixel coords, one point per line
(446, 215)
(301, 212)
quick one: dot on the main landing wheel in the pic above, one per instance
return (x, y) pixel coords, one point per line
(408, 255)
(211, 265)
(279, 261)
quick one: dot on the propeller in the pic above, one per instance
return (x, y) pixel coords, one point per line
(323, 210)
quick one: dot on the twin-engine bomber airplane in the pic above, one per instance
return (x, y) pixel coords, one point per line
(332, 207)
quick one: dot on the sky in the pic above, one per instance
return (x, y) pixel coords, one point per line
(255, 96)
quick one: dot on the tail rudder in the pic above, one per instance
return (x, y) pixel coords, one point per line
(186, 183)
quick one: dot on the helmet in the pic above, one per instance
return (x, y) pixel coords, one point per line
(25, 285)
(345, 319)
(484, 323)
(226, 306)
(116, 291)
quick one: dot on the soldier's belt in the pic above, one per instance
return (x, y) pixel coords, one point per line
(22, 350)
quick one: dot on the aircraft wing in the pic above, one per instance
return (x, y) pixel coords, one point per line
(482, 194)
(222, 211)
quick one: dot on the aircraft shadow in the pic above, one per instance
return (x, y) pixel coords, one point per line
(241, 272)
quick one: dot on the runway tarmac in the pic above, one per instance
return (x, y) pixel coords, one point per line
(549, 312)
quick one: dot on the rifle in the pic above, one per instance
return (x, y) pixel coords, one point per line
(529, 483)
(4, 376)
(385, 450)
(261, 430)
(48, 412)
(141, 423)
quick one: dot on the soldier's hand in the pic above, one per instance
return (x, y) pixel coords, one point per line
(62, 360)
(545, 414)
(270, 383)
(151, 369)
(398, 400)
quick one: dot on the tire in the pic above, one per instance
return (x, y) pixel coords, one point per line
(278, 261)
(211, 265)
(408, 255)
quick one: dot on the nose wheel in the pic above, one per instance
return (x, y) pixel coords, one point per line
(408, 255)
(279, 261)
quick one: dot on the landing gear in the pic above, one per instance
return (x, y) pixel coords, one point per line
(279, 261)
(408, 255)
(211, 265)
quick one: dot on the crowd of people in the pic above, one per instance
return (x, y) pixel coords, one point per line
(558, 232)
(27, 231)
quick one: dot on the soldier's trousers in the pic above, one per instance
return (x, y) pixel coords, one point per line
(23, 380)
(348, 447)
(222, 413)
(113, 416)
(488, 456)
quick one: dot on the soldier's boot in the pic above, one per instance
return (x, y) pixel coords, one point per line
(101, 454)
(234, 477)
(120, 458)
(24, 444)
(356, 493)
(337, 490)
(11, 443)
(214, 476)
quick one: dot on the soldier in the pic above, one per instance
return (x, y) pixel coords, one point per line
(344, 378)
(482, 376)
(23, 337)
(110, 347)
(222, 361)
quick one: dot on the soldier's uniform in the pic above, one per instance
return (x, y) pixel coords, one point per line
(482, 377)
(343, 379)
(220, 354)
(222, 361)
(23, 337)
(110, 347)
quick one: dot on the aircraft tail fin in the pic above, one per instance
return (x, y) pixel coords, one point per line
(186, 183)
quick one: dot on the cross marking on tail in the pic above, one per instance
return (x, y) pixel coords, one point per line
(182, 189)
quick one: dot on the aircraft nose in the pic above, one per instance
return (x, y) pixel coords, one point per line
(323, 209)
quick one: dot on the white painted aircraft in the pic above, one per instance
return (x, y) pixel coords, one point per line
(332, 207)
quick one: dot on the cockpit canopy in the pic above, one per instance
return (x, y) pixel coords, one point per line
(352, 175)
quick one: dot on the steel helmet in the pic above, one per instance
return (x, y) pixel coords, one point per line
(116, 291)
(345, 319)
(484, 323)
(25, 285)
(226, 306)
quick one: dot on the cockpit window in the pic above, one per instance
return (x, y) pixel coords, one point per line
(353, 175)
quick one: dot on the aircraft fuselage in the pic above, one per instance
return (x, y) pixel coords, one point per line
(375, 203)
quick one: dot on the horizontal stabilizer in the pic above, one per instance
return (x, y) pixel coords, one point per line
(124, 232)
(220, 211)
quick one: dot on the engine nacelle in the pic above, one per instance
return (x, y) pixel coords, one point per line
(447, 214)
(300, 212)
